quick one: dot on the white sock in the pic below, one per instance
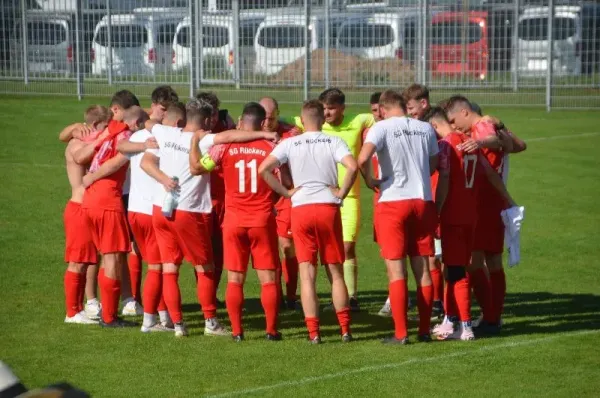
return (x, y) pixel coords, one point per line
(149, 319)
(387, 302)
(164, 316)
(92, 301)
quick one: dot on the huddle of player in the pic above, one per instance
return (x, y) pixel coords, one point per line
(219, 194)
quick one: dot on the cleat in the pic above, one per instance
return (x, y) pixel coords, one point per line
(393, 340)
(315, 340)
(444, 328)
(81, 319)
(347, 338)
(292, 305)
(157, 327)
(180, 330)
(488, 328)
(214, 328)
(273, 336)
(132, 308)
(93, 309)
(168, 324)
(462, 333)
(386, 310)
(437, 310)
(354, 307)
(238, 338)
(117, 323)
(424, 338)
(165, 319)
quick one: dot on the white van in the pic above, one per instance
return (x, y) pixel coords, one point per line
(381, 35)
(530, 56)
(141, 43)
(217, 43)
(280, 38)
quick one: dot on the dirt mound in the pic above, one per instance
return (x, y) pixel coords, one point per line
(348, 70)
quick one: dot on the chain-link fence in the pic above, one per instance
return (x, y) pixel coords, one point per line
(502, 52)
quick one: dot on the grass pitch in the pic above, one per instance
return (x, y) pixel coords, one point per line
(549, 345)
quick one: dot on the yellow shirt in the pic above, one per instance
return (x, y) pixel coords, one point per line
(351, 131)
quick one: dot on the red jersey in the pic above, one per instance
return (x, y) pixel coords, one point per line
(106, 193)
(460, 207)
(285, 131)
(489, 200)
(217, 185)
(248, 198)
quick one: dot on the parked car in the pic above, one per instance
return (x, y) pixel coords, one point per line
(459, 44)
(280, 38)
(217, 42)
(141, 42)
(530, 56)
(381, 35)
(50, 43)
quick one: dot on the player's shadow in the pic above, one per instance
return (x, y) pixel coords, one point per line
(524, 313)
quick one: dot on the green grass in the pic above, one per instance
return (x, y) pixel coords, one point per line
(549, 345)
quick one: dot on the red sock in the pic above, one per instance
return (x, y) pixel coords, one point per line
(134, 263)
(424, 304)
(81, 292)
(207, 294)
(312, 324)
(462, 297)
(399, 303)
(270, 303)
(111, 292)
(498, 282)
(290, 275)
(437, 281)
(343, 317)
(483, 292)
(234, 300)
(73, 282)
(450, 301)
(172, 295)
(152, 291)
(162, 306)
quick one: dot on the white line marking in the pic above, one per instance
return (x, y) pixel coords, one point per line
(527, 140)
(373, 368)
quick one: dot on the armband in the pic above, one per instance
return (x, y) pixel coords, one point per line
(208, 163)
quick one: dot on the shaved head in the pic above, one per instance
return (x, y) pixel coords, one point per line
(272, 113)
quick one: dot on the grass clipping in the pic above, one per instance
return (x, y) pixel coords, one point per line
(348, 70)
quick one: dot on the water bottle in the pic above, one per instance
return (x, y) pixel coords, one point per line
(170, 201)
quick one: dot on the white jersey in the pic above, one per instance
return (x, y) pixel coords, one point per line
(142, 186)
(312, 159)
(403, 149)
(174, 151)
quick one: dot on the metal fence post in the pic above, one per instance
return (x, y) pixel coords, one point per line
(78, 42)
(425, 41)
(306, 49)
(327, 44)
(109, 42)
(549, 55)
(25, 38)
(192, 46)
(515, 47)
(199, 36)
(235, 7)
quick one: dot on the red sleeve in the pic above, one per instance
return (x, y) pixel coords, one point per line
(484, 130)
(216, 153)
(445, 153)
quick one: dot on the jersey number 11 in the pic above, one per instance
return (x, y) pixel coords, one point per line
(241, 165)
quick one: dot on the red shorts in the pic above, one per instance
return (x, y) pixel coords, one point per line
(489, 233)
(457, 244)
(79, 245)
(405, 227)
(218, 216)
(185, 235)
(110, 232)
(317, 229)
(239, 243)
(284, 222)
(143, 232)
